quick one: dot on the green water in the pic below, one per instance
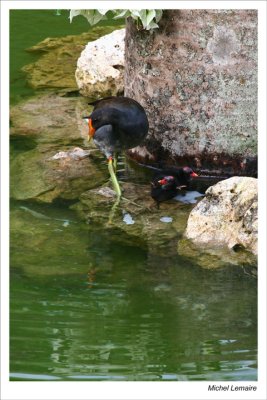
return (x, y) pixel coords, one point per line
(86, 306)
(28, 27)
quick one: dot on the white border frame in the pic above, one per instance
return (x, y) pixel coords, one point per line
(128, 390)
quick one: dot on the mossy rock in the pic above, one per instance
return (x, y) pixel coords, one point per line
(212, 257)
(50, 119)
(38, 243)
(136, 216)
(56, 66)
(37, 175)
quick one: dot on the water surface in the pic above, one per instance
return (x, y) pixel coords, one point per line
(83, 306)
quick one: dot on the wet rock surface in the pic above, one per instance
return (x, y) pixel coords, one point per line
(37, 175)
(212, 257)
(227, 216)
(55, 69)
(136, 217)
(50, 119)
(60, 163)
(136, 220)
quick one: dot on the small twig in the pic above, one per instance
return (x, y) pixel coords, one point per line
(132, 202)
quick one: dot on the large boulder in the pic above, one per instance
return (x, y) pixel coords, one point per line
(196, 76)
(100, 68)
(228, 215)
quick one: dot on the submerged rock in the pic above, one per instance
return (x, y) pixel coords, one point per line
(136, 217)
(54, 167)
(227, 216)
(137, 221)
(100, 67)
(55, 69)
(50, 119)
(75, 154)
(37, 175)
(209, 257)
(39, 239)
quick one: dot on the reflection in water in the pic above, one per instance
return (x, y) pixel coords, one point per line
(85, 306)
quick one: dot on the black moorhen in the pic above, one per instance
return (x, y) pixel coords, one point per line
(116, 124)
(167, 184)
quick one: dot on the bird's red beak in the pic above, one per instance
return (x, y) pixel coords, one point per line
(91, 129)
(162, 181)
(193, 174)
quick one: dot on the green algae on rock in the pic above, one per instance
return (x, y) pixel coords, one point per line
(52, 168)
(56, 67)
(215, 257)
(37, 175)
(50, 119)
(136, 217)
(137, 221)
(43, 238)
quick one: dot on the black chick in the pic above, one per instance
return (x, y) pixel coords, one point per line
(169, 182)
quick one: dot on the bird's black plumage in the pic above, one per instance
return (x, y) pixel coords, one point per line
(116, 124)
(120, 123)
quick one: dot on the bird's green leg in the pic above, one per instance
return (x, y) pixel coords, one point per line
(115, 162)
(113, 177)
(113, 210)
(116, 187)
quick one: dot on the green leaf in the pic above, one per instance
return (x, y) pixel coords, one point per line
(103, 12)
(148, 18)
(74, 13)
(121, 13)
(158, 15)
(142, 16)
(152, 25)
(93, 16)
